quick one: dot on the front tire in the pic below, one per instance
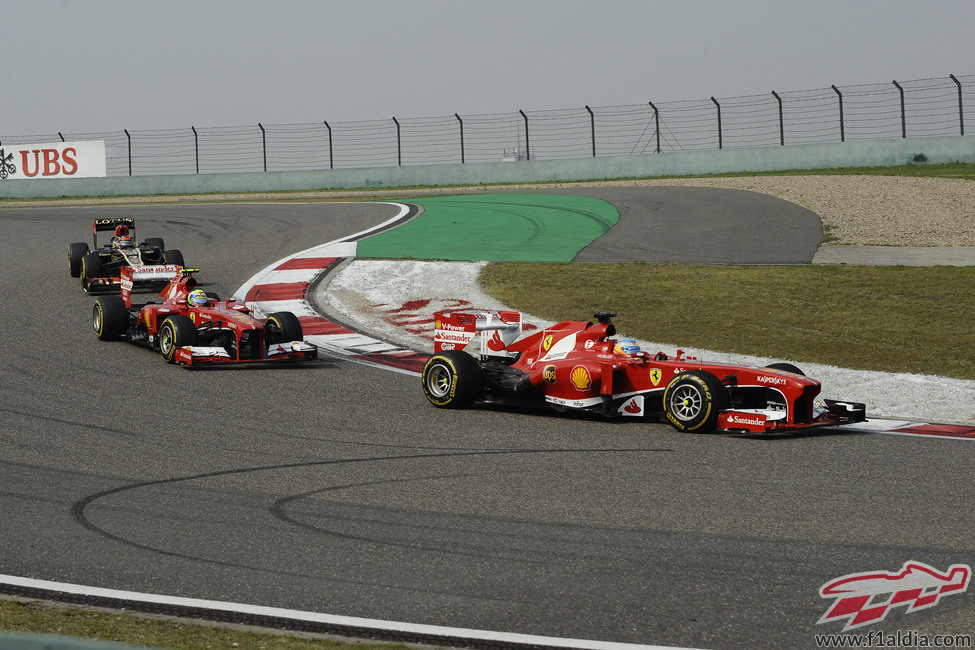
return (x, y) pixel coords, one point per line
(76, 252)
(109, 318)
(174, 256)
(175, 332)
(452, 379)
(91, 267)
(786, 367)
(155, 242)
(693, 399)
(282, 327)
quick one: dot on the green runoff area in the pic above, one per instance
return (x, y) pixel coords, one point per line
(538, 227)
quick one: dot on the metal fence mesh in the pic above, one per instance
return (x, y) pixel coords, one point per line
(927, 108)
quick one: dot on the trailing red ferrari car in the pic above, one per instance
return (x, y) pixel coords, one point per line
(191, 327)
(100, 269)
(575, 365)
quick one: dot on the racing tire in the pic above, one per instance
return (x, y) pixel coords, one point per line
(76, 252)
(786, 367)
(693, 399)
(91, 267)
(155, 242)
(174, 256)
(282, 327)
(452, 379)
(109, 318)
(175, 332)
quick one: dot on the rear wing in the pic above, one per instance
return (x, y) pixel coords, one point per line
(151, 274)
(498, 329)
(101, 225)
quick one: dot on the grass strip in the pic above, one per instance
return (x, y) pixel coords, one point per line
(36, 617)
(890, 318)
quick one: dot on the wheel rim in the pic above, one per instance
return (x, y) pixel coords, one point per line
(96, 320)
(686, 402)
(165, 340)
(439, 380)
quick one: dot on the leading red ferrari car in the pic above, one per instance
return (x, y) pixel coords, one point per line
(191, 327)
(575, 365)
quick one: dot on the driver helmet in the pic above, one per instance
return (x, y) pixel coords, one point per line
(125, 242)
(197, 298)
(626, 348)
(121, 231)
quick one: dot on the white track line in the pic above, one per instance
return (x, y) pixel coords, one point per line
(316, 617)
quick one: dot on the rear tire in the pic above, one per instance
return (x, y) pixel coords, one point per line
(91, 267)
(452, 379)
(175, 332)
(693, 399)
(282, 327)
(173, 256)
(76, 252)
(109, 318)
(787, 367)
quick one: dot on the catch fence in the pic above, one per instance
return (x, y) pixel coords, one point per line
(915, 108)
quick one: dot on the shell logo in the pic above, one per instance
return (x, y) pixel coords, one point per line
(436, 325)
(547, 342)
(580, 378)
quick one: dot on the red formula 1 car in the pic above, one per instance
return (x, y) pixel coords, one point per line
(574, 365)
(188, 334)
(100, 267)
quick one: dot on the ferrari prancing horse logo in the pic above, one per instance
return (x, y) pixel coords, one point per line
(547, 342)
(655, 375)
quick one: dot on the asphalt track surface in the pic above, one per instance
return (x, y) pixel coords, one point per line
(334, 487)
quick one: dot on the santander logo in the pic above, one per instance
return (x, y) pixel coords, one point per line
(737, 419)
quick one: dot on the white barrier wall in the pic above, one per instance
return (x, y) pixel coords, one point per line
(867, 153)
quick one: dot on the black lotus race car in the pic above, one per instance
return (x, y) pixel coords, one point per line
(100, 267)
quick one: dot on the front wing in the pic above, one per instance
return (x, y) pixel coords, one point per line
(835, 413)
(198, 355)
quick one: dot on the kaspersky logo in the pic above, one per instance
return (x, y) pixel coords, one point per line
(867, 598)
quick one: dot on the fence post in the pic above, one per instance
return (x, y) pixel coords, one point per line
(592, 129)
(399, 149)
(263, 143)
(196, 148)
(903, 112)
(656, 124)
(528, 155)
(461, 137)
(842, 130)
(129, 137)
(781, 121)
(61, 136)
(720, 141)
(961, 110)
(331, 161)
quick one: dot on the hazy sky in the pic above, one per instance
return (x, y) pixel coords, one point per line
(90, 65)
